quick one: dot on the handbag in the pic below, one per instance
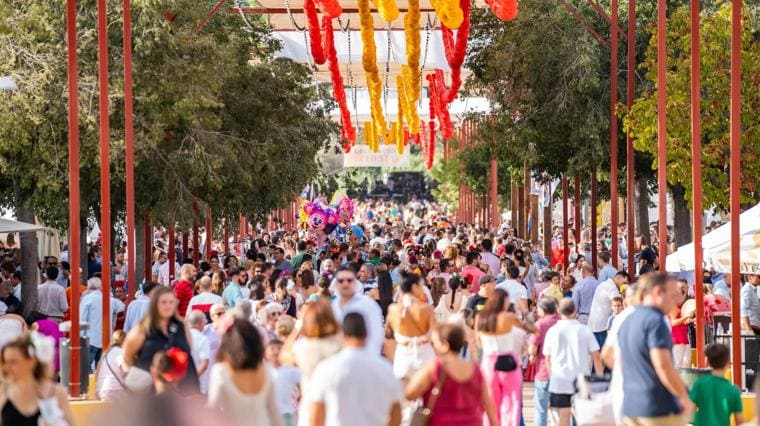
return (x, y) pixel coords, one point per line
(421, 416)
(137, 379)
(505, 362)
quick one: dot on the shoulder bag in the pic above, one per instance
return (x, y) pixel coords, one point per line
(421, 416)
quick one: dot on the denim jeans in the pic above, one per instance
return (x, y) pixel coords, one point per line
(541, 399)
(94, 357)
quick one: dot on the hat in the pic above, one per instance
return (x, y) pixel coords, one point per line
(487, 278)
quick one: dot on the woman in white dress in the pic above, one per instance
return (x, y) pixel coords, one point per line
(109, 376)
(241, 385)
(452, 304)
(315, 340)
(411, 320)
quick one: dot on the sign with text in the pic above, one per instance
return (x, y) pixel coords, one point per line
(386, 156)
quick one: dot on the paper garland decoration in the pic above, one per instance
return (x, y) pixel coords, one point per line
(388, 9)
(347, 131)
(400, 137)
(331, 8)
(369, 63)
(448, 12)
(506, 10)
(455, 52)
(411, 70)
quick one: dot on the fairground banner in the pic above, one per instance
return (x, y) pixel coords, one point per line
(387, 156)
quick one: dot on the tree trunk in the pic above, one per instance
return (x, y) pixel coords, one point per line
(30, 271)
(642, 209)
(681, 216)
(139, 252)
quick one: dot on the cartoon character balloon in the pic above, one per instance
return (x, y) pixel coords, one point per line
(345, 210)
(320, 218)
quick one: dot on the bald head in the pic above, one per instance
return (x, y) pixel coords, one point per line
(187, 271)
(567, 308)
(204, 284)
(588, 270)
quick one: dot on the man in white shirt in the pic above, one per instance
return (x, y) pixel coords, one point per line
(487, 257)
(518, 294)
(204, 300)
(201, 350)
(349, 300)
(334, 393)
(567, 348)
(601, 305)
(91, 312)
(138, 308)
(164, 278)
(51, 297)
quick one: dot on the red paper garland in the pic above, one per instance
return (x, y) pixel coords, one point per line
(347, 132)
(438, 108)
(506, 10)
(330, 8)
(430, 151)
(315, 32)
(455, 52)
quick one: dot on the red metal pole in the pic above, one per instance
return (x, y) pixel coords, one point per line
(185, 245)
(148, 252)
(172, 255)
(594, 202)
(105, 173)
(736, 132)
(196, 239)
(226, 236)
(129, 156)
(209, 233)
(662, 136)
(495, 219)
(696, 175)
(565, 230)
(578, 221)
(614, 133)
(630, 153)
(71, 56)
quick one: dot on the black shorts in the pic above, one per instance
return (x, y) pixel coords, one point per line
(560, 400)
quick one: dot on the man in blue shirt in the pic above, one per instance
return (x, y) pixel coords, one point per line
(653, 393)
(606, 271)
(583, 293)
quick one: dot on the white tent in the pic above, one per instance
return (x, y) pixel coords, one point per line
(48, 239)
(716, 247)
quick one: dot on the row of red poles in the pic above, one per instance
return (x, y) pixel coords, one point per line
(287, 216)
(467, 199)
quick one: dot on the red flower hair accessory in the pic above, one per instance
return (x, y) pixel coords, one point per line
(178, 368)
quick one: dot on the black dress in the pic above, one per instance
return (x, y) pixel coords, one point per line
(12, 416)
(156, 341)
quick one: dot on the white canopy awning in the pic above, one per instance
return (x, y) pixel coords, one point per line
(10, 225)
(716, 247)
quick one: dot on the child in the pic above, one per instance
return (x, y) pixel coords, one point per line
(286, 379)
(617, 307)
(715, 397)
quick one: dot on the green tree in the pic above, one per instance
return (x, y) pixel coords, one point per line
(715, 63)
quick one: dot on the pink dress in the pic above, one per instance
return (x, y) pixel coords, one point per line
(458, 404)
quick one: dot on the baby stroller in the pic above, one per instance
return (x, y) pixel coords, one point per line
(592, 404)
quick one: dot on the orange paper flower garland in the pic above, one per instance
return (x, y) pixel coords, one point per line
(347, 131)
(400, 123)
(506, 10)
(448, 12)
(388, 9)
(411, 70)
(369, 63)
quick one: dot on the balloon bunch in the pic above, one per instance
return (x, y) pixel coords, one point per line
(324, 220)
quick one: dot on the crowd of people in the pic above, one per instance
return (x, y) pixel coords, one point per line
(418, 321)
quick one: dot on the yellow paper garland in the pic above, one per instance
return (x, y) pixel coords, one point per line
(401, 106)
(388, 9)
(369, 63)
(448, 12)
(411, 70)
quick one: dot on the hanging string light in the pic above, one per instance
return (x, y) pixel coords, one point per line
(369, 63)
